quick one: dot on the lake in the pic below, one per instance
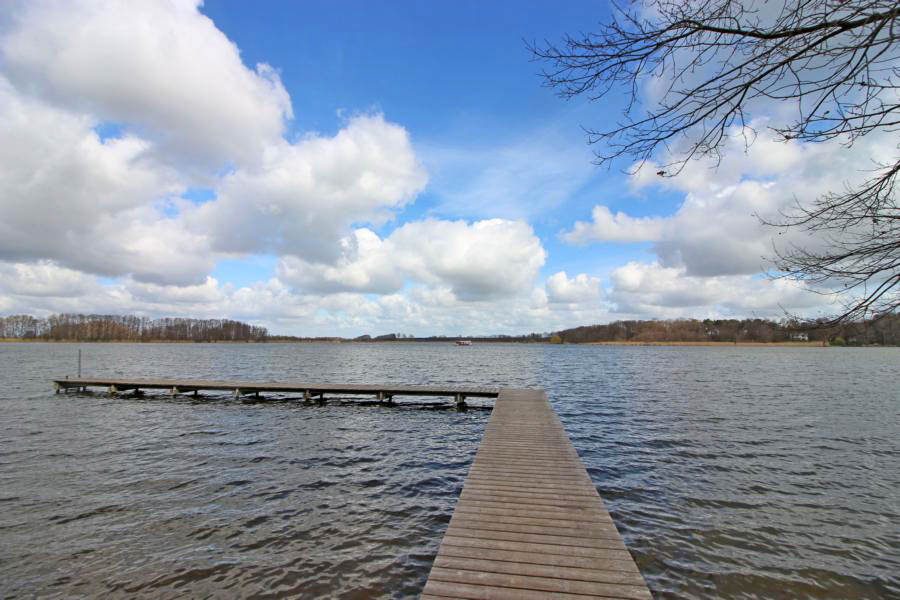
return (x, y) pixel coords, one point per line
(731, 472)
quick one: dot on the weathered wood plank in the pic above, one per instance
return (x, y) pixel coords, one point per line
(578, 511)
(471, 592)
(549, 484)
(546, 584)
(588, 531)
(513, 512)
(529, 492)
(537, 538)
(625, 563)
(554, 571)
(522, 487)
(560, 502)
(541, 521)
(543, 464)
(488, 586)
(529, 476)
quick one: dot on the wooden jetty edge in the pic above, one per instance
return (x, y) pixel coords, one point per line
(529, 522)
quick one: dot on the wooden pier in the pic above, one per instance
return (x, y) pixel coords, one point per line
(529, 523)
(310, 391)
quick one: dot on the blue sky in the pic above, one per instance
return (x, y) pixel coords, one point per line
(359, 167)
(458, 76)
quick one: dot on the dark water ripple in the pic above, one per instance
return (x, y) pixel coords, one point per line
(731, 472)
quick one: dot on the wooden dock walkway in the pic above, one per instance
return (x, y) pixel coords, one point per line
(384, 393)
(529, 523)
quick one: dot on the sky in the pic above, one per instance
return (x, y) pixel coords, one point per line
(355, 168)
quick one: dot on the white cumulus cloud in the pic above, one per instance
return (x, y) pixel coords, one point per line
(578, 289)
(653, 290)
(160, 67)
(618, 227)
(87, 204)
(44, 279)
(482, 260)
(717, 229)
(303, 198)
(187, 106)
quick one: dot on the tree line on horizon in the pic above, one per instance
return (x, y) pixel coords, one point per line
(130, 328)
(884, 330)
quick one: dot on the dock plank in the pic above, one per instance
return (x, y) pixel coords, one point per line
(529, 522)
(589, 532)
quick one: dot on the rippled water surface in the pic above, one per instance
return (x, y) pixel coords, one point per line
(731, 472)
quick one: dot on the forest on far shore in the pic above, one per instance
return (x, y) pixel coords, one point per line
(130, 328)
(127, 328)
(883, 331)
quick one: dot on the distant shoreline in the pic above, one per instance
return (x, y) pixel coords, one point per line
(816, 344)
(712, 344)
(39, 341)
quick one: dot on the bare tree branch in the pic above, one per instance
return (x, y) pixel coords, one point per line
(836, 61)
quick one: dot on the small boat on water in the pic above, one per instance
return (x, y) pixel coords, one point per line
(463, 342)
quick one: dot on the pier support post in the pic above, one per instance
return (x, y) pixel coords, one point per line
(460, 402)
(308, 397)
(237, 393)
(56, 387)
(112, 390)
(174, 391)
